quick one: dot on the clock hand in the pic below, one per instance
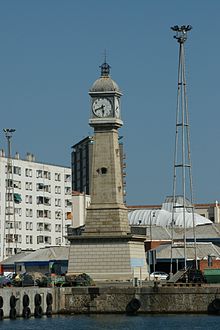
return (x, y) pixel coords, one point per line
(102, 107)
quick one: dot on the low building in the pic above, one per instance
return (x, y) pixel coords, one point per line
(203, 251)
(46, 260)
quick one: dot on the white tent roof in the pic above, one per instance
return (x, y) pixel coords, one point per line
(163, 217)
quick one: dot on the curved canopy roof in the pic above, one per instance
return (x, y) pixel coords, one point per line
(163, 217)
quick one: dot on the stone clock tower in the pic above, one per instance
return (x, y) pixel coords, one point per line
(107, 212)
(106, 250)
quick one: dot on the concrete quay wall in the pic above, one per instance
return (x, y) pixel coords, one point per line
(114, 299)
(162, 299)
(18, 294)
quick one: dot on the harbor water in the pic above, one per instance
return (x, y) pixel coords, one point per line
(116, 322)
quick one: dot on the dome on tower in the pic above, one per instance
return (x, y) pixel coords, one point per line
(104, 83)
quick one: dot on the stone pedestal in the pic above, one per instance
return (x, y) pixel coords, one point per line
(108, 258)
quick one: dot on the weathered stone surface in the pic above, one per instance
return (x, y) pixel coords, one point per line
(115, 298)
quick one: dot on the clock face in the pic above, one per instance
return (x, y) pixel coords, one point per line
(117, 108)
(102, 108)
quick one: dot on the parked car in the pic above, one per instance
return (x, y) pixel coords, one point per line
(158, 276)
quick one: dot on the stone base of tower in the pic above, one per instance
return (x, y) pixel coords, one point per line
(106, 220)
(108, 259)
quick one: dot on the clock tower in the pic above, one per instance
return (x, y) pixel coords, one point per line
(106, 181)
(106, 250)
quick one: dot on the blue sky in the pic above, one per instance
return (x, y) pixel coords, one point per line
(50, 56)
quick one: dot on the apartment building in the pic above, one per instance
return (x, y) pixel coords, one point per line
(35, 204)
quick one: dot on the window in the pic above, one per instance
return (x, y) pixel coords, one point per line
(57, 202)
(9, 225)
(8, 169)
(29, 213)
(47, 227)
(28, 185)
(8, 252)
(18, 211)
(57, 190)
(58, 215)
(40, 226)
(57, 177)
(102, 170)
(43, 200)
(67, 190)
(67, 178)
(47, 239)
(28, 172)
(68, 202)
(47, 188)
(46, 175)
(40, 213)
(43, 187)
(29, 239)
(58, 228)
(43, 214)
(17, 170)
(9, 210)
(17, 238)
(9, 183)
(40, 239)
(39, 186)
(58, 240)
(9, 197)
(18, 225)
(17, 184)
(9, 238)
(39, 173)
(29, 226)
(28, 199)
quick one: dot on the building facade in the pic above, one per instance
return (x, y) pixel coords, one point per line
(81, 165)
(35, 204)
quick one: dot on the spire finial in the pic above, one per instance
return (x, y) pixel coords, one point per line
(105, 67)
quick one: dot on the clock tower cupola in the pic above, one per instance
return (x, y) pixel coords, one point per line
(105, 98)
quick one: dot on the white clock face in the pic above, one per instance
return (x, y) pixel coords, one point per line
(102, 108)
(117, 108)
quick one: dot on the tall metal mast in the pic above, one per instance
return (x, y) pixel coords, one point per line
(9, 197)
(182, 169)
